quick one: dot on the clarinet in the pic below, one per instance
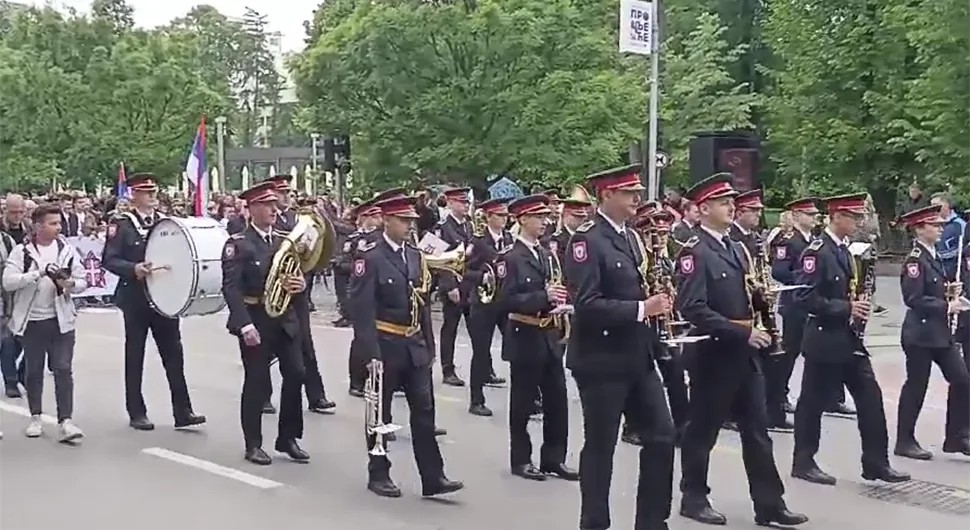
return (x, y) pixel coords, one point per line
(868, 288)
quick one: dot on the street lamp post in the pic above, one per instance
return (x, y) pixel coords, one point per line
(220, 139)
(314, 137)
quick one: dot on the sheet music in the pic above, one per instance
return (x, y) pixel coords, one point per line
(432, 244)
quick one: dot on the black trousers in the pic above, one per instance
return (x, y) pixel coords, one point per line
(257, 386)
(719, 388)
(672, 372)
(482, 321)
(313, 381)
(641, 396)
(356, 366)
(416, 382)
(528, 377)
(139, 320)
(819, 382)
(341, 280)
(451, 314)
(918, 364)
(793, 329)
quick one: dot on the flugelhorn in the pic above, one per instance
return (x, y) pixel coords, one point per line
(374, 408)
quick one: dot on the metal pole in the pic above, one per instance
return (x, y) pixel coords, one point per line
(220, 139)
(338, 184)
(653, 180)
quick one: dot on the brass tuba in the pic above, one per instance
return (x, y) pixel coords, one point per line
(310, 242)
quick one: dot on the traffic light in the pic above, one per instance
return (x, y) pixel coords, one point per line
(341, 146)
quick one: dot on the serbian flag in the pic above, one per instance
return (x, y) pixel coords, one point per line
(122, 191)
(195, 172)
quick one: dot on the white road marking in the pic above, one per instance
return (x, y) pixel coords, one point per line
(215, 469)
(21, 411)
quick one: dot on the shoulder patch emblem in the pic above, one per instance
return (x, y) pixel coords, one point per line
(687, 264)
(808, 264)
(112, 230)
(229, 251)
(583, 228)
(781, 252)
(815, 244)
(692, 242)
(360, 267)
(500, 269)
(916, 253)
(579, 251)
(912, 270)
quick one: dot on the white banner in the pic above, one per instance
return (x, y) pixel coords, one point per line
(636, 27)
(100, 281)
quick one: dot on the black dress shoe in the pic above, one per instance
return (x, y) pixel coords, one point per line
(841, 410)
(257, 456)
(495, 381)
(342, 323)
(810, 472)
(384, 488)
(783, 426)
(632, 438)
(561, 471)
(702, 513)
(957, 447)
(730, 426)
(291, 449)
(13, 391)
(885, 473)
(323, 406)
(479, 410)
(912, 449)
(451, 379)
(779, 517)
(141, 423)
(438, 431)
(356, 392)
(268, 408)
(528, 471)
(441, 486)
(189, 420)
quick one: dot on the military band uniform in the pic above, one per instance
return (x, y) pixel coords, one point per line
(340, 265)
(124, 248)
(483, 319)
(786, 258)
(835, 355)
(236, 225)
(963, 320)
(611, 358)
(382, 313)
(455, 233)
(928, 340)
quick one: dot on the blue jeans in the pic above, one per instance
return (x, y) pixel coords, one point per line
(10, 349)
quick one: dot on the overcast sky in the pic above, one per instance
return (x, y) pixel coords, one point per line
(285, 16)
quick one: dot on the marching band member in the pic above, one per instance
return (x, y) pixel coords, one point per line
(747, 217)
(927, 339)
(124, 256)
(454, 229)
(393, 327)
(963, 325)
(531, 343)
(368, 222)
(611, 358)
(726, 376)
(834, 350)
(483, 318)
(246, 259)
(575, 212)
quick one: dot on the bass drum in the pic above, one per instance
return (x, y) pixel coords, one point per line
(186, 255)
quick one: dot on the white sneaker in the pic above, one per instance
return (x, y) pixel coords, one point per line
(70, 432)
(35, 429)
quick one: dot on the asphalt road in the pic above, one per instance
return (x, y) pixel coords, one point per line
(121, 479)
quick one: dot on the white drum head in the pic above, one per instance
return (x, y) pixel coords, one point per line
(173, 250)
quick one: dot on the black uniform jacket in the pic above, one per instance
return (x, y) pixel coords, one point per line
(923, 283)
(712, 294)
(380, 290)
(522, 291)
(123, 249)
(560, 242)
(246, 260)
(827, 270)
(483, 251)
(749, 240)
(786, 258)
(607, 340)
(286, 219)
(963, 320)
(454, 233)
(236, 225)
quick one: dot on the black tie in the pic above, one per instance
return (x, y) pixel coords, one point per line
(726, 241)
(404, 258)
(269, 239)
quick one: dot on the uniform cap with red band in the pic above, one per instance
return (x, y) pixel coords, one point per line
(263, 192)
(498, 206)
(662, 220)
(402, 206)
(851, 203)
(553, 196)
(717, 186)
(530, 205)
(626, 178)
(370, 208)
(575, 207)
(647, 209)
(456, 194)
(920, 216)
(750, 200)
(142, 182)
(807, 205)
(281, 182)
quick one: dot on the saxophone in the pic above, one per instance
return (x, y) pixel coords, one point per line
(560, 320)
(863, 292)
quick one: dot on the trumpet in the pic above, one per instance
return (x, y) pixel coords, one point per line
(374, 408)
(657, 278)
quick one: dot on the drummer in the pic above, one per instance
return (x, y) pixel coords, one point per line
(124, 255)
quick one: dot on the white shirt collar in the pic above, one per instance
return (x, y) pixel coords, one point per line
(260, 232)
(742, 229)
(141, 214)
(806, 235)
(495, 237)
(620, 229)
(459, 221)
(929, 248)
(394, 246)
(714, 233)
(836, 239)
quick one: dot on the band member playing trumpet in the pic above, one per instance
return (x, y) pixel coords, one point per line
(455, 229)
(529, 291)
(927, 339)
(392, 324)
(246, 262)
(124, 255)
(833, 347)
(485, 314)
